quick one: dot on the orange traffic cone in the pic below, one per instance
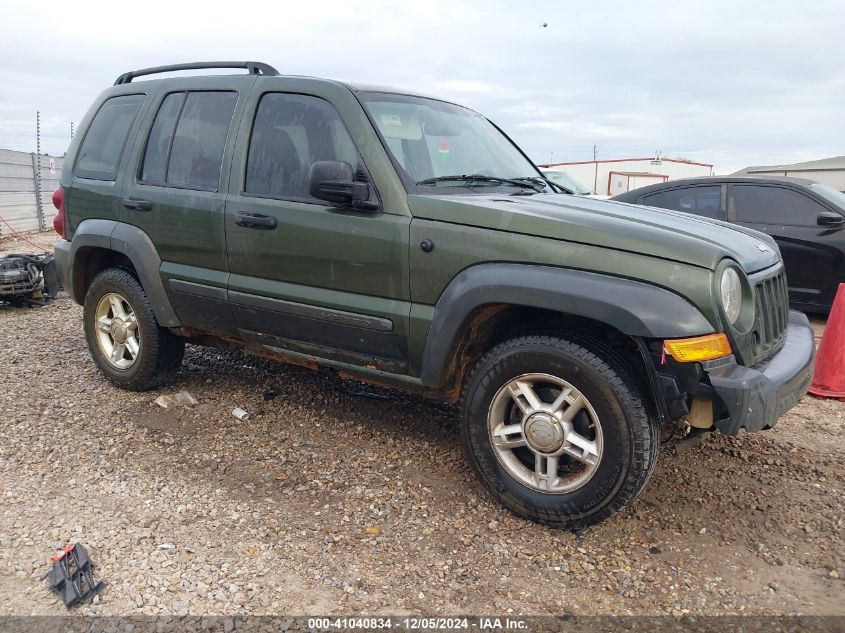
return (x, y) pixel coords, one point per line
(829, 379)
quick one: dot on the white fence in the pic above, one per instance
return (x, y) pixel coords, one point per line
(26, 190)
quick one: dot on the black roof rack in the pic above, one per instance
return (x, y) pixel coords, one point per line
(253, 68)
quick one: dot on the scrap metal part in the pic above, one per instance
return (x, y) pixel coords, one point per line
(28, 279)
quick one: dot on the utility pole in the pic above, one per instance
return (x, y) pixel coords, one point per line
(596, 166)
(36, 165)
(552, 158)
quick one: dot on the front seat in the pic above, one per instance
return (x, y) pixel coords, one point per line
(273, 166)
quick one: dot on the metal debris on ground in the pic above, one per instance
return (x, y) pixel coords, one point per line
(183, 399)
(71, 576)
(241, 414)
(28, 279)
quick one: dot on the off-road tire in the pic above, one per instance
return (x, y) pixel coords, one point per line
(160, 351)
(631, 439)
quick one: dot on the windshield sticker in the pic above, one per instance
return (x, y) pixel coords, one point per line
(444, 149)
(391, 119)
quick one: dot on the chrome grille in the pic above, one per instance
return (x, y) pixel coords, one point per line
(772, 313)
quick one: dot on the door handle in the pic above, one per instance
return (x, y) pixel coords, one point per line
(136, 204)
(255, 221)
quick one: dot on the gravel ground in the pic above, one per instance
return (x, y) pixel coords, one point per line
(336, 498)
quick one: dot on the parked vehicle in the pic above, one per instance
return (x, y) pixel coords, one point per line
(805, 218)
(405, 240)
(564, 180)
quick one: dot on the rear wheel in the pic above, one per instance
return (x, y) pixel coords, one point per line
(123, 335)
(557, 430)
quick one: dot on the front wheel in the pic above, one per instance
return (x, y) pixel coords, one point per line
(557, 430)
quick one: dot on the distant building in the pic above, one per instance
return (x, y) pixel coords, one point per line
(612, 177)
(828, 171)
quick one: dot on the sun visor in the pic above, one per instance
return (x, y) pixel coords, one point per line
(394, 121)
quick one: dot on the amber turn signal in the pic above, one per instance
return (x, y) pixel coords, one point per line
(688, 350)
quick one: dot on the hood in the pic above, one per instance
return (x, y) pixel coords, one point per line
(662, 233)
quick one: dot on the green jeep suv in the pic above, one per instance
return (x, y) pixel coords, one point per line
(406, 240)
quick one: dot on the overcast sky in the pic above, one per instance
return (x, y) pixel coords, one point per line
(731, 82)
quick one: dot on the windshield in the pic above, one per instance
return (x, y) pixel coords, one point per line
(566, 181)
(440, 145)
(830, 194)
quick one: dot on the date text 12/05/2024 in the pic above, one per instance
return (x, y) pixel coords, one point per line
(418, 623)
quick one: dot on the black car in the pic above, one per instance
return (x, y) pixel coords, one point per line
(806, 219)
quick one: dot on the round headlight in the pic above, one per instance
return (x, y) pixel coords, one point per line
(731, 293)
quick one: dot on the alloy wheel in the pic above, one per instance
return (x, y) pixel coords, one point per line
(545, 433)
(117, 330)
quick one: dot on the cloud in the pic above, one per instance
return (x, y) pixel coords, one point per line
(733, 84)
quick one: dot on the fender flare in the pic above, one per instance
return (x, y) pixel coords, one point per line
(634, 308)
(136, 245)
(89, 235)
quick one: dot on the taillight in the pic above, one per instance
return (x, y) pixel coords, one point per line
(60, 220)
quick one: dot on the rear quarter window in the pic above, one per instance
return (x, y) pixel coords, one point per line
(105, 140)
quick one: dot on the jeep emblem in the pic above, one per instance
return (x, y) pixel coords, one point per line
(762, 248)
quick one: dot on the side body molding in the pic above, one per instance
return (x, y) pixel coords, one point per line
(133, 243)
(632, 307)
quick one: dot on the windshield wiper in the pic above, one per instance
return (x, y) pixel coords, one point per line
(481, 178)
(554, 186)
(542, 183)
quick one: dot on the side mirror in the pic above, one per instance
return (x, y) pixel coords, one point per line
(828, 218)
(334, 181)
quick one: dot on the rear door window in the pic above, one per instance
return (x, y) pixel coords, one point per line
(186, 142)
(654, 200)
(704, 201)
(102, 148)
(757, 204)
(161, 136)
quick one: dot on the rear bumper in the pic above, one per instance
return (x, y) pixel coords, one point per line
(755, 397)
(62, 254)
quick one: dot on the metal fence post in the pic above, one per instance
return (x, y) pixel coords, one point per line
(36, 166)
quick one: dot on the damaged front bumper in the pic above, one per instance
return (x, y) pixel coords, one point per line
(754, 398)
